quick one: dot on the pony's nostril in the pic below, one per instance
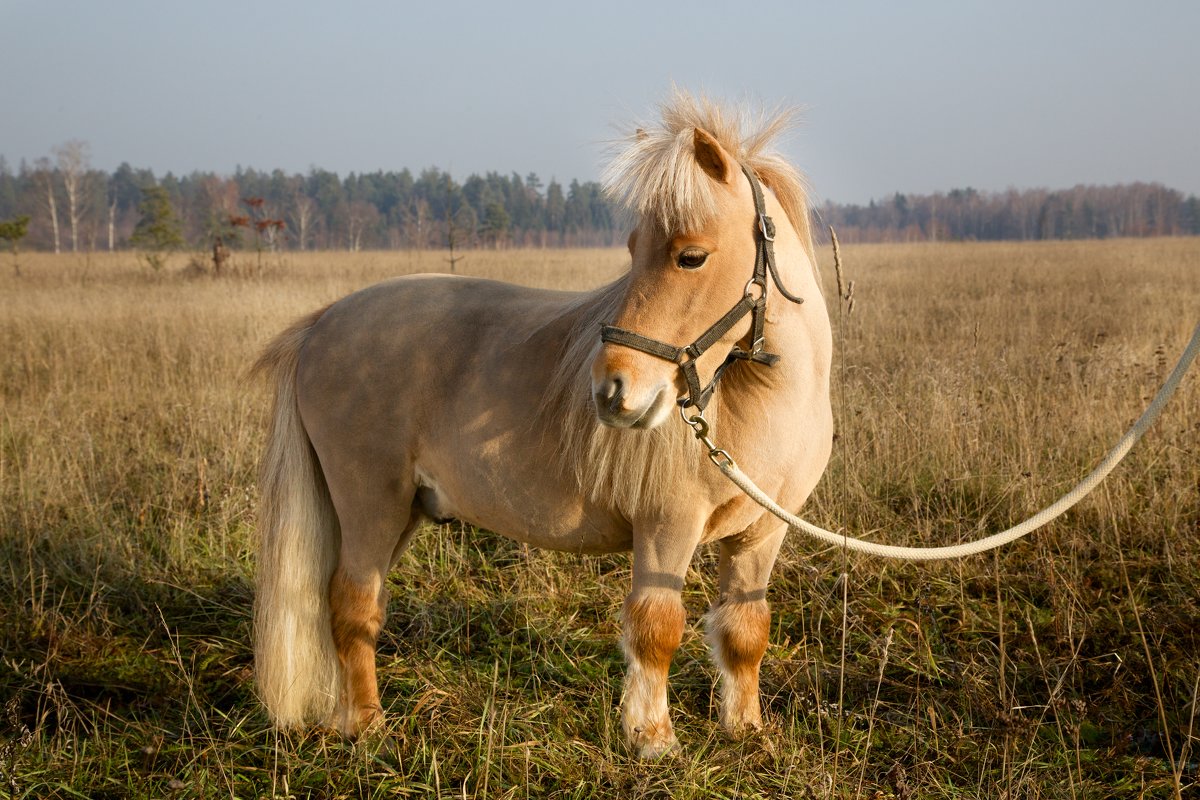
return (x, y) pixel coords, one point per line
(611, 394)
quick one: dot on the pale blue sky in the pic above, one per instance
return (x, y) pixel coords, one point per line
(911, 97)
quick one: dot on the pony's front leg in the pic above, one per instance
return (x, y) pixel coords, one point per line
(652, 622)
(652, 627)
(739, 621)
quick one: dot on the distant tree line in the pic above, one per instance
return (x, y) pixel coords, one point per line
(1084, 212)
(320, 210)
(74, 207)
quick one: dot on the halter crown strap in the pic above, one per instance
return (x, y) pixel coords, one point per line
(685, 357)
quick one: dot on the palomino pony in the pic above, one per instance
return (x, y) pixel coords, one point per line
(547, 417)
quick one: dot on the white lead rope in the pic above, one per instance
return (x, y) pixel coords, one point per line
(731, 470)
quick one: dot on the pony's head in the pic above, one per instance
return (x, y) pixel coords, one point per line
(693, 250)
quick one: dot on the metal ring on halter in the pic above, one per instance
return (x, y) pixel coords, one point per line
(696, 421)
(762, 289)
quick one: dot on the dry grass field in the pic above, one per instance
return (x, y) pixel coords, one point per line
(974, 383)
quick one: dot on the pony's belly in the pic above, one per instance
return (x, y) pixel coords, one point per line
(584, 539)
(548, 519)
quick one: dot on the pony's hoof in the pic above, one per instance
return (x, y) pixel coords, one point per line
(744, 728)
(358, 722)
(741, 720)
(655, 749)
(759, 737)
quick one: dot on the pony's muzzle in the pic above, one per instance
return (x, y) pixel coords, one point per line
(619, 405)
(610, 396)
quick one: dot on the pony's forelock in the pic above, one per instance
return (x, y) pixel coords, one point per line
(654, 172)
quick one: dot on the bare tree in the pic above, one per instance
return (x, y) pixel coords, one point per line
(220, 195)
(72, 159)
(44, 174)
(416, 224)
(451, 236)
(112, 221)
(361, 217)
(304, 212)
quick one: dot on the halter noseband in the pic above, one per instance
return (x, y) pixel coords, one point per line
(755, 306)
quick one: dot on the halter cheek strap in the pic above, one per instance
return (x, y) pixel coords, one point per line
(753, 303)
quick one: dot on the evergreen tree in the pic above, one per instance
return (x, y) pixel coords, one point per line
(556, 207)
(13, 231)
(158, 230)
(495, 221)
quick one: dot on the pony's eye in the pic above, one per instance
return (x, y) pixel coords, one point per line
(692, 258)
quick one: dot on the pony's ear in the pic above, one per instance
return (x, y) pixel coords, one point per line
(711, 157)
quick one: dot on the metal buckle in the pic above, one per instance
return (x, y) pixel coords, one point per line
(767, 226)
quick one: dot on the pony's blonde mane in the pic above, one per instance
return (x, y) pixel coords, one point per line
(656, 176)
(631, 469)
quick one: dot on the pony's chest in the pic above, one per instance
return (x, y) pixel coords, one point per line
(731, 517)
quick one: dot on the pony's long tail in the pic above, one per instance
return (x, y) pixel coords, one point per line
(295, 661)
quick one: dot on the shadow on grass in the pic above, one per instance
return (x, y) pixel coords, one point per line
(124, 647)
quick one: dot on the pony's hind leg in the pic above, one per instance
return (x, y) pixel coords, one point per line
(357, 607)
(739, 621)
(372, 539)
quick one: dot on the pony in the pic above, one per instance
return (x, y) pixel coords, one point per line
(546, 417)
